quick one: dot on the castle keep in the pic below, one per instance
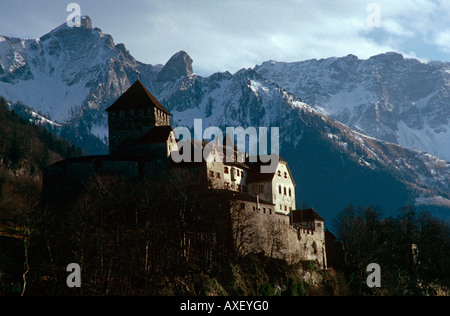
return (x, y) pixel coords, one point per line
(141, 145)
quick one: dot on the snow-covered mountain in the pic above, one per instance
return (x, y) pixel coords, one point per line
(68, 73)
(403, 101)
(74, 74)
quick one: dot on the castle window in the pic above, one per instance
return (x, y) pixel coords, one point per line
(285, 175)
(237, 172)
(290, 192)
(270, 211)
(285, 208)
(279, 189)
(279, 173)
(254, 209)
(218, 175)
(284, 190)
(264, 210)
(211, 174)
(225, 170)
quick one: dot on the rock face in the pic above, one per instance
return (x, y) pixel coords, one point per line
(324, 110)
(388, 97)
(179, 66)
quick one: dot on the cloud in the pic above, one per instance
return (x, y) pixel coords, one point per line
(442, 40)
(234, 34)
(229, 35)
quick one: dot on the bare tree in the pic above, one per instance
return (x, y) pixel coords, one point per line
(22, 204)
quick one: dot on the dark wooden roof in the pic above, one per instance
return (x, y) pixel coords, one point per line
(135, 98)
(228, 141)
(255, 174)
(92, 159)
(309, 215)
(158, 134)
(242, 196)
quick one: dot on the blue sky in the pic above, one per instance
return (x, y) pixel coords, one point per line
(234, 34)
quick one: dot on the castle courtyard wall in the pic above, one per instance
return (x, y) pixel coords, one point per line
(276, 238)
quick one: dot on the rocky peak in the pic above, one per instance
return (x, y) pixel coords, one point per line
(86, 22)
(178, 66)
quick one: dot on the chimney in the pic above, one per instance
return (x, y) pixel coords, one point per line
(233, 174)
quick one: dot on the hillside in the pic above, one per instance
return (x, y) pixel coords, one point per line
(26, 148)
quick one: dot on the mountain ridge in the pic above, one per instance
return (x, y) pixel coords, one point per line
(389, 97)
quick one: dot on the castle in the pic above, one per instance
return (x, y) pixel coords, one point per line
(142, 143)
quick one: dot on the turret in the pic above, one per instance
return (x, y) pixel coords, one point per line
(133, 115)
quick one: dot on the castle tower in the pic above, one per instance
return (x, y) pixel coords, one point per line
(134, 114)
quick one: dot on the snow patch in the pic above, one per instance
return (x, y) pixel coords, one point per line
(39, 119)
(426, 140)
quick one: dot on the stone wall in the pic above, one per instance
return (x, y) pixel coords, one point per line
(133, 124)
(275, 237)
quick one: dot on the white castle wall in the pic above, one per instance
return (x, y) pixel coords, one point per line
(273, 235)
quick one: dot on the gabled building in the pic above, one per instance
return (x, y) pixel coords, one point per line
(277, 187)
(133, 115)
